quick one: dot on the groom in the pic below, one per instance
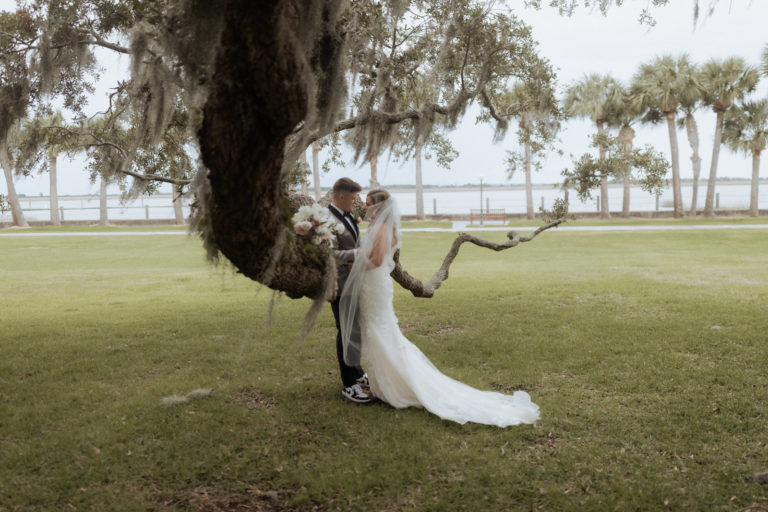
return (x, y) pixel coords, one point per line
(344, 194)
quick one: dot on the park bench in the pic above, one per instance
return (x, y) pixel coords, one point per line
(487, 215)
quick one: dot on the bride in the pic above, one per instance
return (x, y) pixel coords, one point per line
(398, 372)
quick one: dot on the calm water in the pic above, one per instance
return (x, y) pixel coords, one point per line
(447, 201)
(436, 201)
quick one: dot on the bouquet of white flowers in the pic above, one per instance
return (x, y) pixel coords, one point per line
(317, 224)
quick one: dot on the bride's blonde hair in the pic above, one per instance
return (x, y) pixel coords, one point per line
(378, 195)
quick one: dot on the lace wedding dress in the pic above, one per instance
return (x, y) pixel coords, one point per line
(401, 375)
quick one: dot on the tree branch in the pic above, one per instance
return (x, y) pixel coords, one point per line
(397, 117)
(419, 289)
(155, 177)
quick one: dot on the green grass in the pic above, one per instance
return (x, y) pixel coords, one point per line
(646, 352)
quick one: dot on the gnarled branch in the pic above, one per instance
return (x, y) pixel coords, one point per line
(427, 290)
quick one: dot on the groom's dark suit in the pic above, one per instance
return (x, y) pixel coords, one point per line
(346, 243)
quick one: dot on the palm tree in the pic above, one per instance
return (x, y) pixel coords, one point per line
(745, 128)
(103, 211)
(690, 96)
(538, 123)
(765, 60)
(54, 146)
(722, 83)
(658, 86)
(591, 98)
(622, 114)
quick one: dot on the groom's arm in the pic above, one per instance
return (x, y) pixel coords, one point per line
(345, 256)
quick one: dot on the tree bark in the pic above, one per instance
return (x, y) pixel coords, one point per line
(625, 207)
(419, 186)
(103, 216)
(303, 177)
(178, 212)
(677, 197)
(626, 135)
(374, 160)
(693, 139)
(257, 82)
(709, 204)
(605, 212)
(753, 210)
(316, 168)
(528, 186)
(53, 193)
(17, 214)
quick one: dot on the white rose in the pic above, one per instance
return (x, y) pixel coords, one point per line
(303, 227)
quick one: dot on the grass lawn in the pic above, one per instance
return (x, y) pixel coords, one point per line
(646, 351)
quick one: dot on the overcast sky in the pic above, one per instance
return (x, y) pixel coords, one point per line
(584, 43)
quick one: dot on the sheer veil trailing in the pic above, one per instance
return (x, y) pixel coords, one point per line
(382, 237)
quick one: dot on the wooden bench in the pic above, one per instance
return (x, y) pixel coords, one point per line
(487, 214)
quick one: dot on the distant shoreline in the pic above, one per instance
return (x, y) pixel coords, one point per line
(435, 188)
(543, 186)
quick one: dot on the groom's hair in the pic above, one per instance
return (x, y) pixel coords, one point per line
(346, 186)
(378, 195)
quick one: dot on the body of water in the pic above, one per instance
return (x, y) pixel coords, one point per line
(86, 208)
(441, 201)
(732, 196)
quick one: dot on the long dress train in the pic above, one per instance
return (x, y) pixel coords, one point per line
(401, 375)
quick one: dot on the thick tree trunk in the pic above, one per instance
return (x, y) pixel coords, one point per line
(53, 193)
(693, 139)
(753, 210)
(178, 212)
(709, 203)
(528, 185)
(316, 169)
(605, 212)
(419, 186)
(256, 98)
(677, 196)
(103, 216)
(17, 214)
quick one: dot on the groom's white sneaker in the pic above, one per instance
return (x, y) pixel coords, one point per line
(363, 381)
(356, 394)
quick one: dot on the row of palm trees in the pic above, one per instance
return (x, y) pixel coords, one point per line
(672, 89)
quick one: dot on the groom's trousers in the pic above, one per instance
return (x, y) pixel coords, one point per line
(349, 374)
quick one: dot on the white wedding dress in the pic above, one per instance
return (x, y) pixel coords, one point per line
(401, 375)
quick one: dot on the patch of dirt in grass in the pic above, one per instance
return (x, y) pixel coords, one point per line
(547, 440)
(252, 398)
(511, 388)
(448, 329)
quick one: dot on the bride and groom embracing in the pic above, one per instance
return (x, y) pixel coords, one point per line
(398, 373)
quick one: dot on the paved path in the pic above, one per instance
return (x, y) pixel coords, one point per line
(457, 226)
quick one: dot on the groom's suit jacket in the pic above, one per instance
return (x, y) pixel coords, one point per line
(346, 243)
